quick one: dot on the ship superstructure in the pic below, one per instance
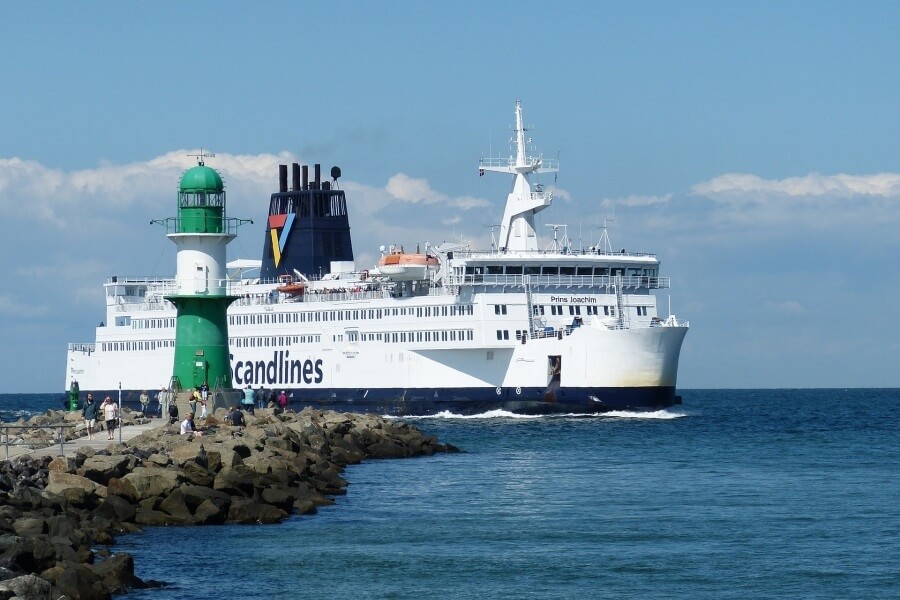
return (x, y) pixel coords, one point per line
(445, 327)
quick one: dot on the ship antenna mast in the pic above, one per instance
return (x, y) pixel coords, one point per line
(201, 155)
(604, 243)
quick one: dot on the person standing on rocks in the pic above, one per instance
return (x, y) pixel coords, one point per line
(282, 400)
(111, 415)
(247, 400)
(163, 399)
(89, 413)
(195, 397)
(145, 402)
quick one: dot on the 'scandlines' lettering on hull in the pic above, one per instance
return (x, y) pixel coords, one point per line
(281, 370)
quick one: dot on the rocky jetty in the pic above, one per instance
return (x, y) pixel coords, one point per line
(55, 511)
(45, 433)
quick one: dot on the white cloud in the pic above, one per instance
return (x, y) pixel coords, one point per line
(636, 200)
(33, 192)
(737, 185)
(9, 307)
(405, 188)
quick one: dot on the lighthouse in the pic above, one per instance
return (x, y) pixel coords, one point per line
(201, 231)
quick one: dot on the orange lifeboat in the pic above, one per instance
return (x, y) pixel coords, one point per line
(292, 288)
(403, 266)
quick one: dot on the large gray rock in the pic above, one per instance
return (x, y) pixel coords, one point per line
(149, 482)
(26, 587)
(101, 468)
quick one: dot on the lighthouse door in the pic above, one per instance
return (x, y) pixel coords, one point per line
(201, 367)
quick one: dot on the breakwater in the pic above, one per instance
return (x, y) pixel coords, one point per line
(54, 511)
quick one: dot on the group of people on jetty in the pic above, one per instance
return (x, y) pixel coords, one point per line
(91, 410)
(166, 398)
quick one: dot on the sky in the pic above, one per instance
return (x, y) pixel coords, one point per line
(755, 146)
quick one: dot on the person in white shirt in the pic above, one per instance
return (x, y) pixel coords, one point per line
(187, 426)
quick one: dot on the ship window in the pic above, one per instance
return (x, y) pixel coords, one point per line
(601, 271)
(567, 270)
(494, 269)
(470, 270)
(443, 336)
(453, 336)
(532, 270)
(583, 271)
(499, 334)
(549, 270)
(514, 269)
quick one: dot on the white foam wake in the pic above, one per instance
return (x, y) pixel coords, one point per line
(655, 414)
(505, 414)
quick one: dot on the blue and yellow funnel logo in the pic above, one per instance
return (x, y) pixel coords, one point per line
(279, 229)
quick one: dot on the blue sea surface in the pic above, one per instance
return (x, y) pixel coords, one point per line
(735, 494)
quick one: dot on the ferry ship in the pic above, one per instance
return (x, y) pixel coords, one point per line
(518, 327)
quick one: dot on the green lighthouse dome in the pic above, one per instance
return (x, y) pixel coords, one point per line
(201, 179)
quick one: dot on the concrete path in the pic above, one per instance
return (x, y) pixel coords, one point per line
(99, 442)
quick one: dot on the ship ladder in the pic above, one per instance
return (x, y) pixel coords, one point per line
(619, 303)
(529, 307)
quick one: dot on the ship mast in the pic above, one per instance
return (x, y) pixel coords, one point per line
(517, 232)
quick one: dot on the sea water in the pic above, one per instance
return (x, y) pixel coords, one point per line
(734, 494)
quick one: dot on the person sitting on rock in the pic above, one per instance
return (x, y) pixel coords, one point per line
(236, 418)
(187, 426)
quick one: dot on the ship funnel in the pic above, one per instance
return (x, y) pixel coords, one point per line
(282, 178)
(295, 177)
(305, 177)
(318, 171)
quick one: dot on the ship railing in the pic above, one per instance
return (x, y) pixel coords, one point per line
(592, 251)
(79, 347)
(510, 162)
(569, 281)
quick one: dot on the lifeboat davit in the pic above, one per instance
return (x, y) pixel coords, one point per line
(402, 266)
